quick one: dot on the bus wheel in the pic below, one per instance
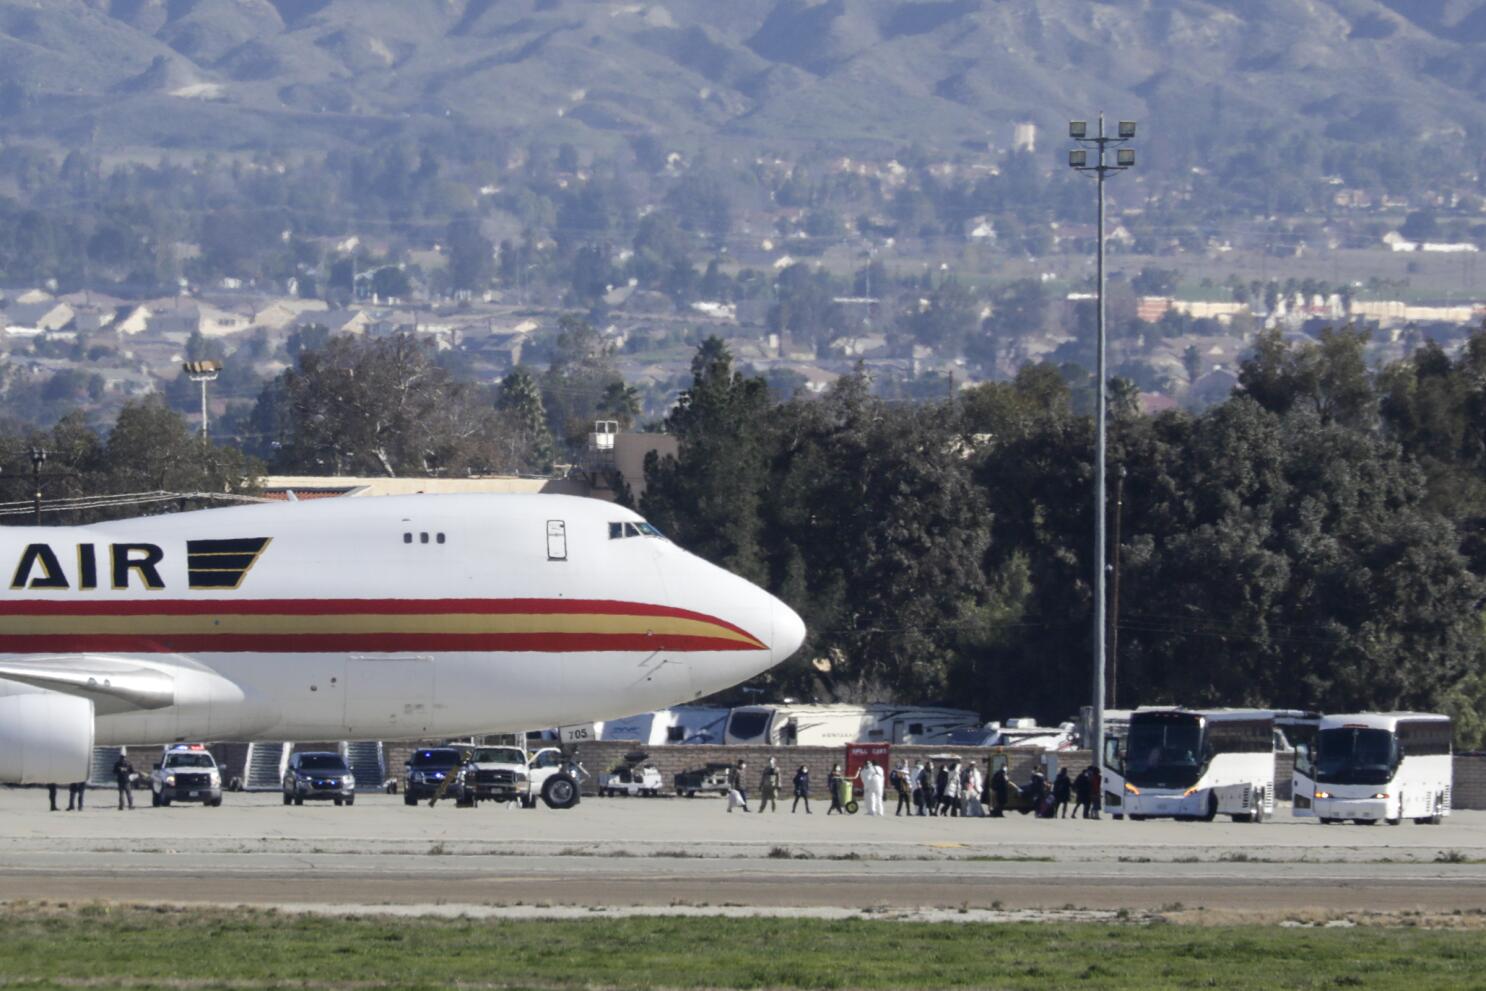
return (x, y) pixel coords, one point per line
(1365, 822)
(1424, 821)
(1395, 822)
(1212, 808)
(1329, 822)
(1136, 818)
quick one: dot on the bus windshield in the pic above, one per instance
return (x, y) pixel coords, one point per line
(1164, 751)
(1350, 756)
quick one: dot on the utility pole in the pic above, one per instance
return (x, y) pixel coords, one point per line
(1114, 594)
(1101, 168)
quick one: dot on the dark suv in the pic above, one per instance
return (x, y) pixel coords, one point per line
(425, 771)
(318, 774)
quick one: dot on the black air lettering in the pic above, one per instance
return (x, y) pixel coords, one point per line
(141, 558)
(51, 577)
(87, 567)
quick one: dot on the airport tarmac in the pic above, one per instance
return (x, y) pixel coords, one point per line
(619, 852)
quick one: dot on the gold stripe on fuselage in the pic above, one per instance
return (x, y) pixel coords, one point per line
(366, 623)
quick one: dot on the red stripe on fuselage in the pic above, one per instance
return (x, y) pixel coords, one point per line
(339, 607)
(324, 643)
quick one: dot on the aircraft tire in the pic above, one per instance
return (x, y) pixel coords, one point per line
(560, 792)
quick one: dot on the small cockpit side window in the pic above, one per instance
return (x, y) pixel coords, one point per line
(630, 530)
(616, 530)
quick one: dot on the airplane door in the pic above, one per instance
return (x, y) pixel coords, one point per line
(557, 540)
(389, 696)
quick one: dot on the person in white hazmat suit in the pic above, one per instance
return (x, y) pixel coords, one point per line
(872, 782)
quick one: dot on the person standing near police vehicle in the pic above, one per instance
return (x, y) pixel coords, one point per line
(124, 778)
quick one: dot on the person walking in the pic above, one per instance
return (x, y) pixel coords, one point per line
(999, 791)
(51, 793)
(941, 788)
(736, 787)
(768, 787)
(918, 789)
(1096, 793)
(903, 785)
(124, 778)
(1081, 792)
(949, 797)
(875, 787)
(931, 801)
(971, 794)
(75, 792)
(802, 789)
(1062, 787)
(833, 782)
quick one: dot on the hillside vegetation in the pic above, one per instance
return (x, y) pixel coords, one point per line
(287, 74)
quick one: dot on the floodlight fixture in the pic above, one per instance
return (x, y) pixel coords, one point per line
(1127, 129)
(1078, 158)
(1124, 157)
(1078, 129)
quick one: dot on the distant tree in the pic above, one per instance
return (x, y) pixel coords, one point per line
(471, 255)
(519, 403)
(391, 282)
(1329, 377)
(619, 402)
(382, 406)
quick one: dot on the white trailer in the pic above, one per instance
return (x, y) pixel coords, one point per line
(836, 725)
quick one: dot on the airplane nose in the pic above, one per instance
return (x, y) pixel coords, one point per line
(789, 632)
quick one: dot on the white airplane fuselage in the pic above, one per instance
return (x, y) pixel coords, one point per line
(375, 618)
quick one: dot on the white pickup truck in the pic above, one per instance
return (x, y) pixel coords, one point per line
(506, 774)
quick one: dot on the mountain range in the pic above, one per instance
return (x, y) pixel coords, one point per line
(225, 75)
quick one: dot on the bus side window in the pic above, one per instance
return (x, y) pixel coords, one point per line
(1303, 759)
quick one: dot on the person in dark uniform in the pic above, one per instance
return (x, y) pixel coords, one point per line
(833, 782)
(903, 782)
(1062, 788)
(802, 789)
(124, 778)
(75, 793)
(51, 793)
(1081, 785)
(999, 790)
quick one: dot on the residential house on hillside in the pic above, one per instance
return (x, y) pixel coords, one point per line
(45, 316)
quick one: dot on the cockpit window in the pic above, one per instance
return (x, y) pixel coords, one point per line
(618, 531)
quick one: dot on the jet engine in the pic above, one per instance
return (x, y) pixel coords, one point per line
(45, 738)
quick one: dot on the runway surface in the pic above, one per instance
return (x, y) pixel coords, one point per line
(676, 852)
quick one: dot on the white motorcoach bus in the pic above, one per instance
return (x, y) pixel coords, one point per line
(1198, 764)
(1373, 766)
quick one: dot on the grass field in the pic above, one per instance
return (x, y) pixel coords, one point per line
(97, 947)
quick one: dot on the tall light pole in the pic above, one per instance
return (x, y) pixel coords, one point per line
(203, 372)
(1100, 168)
(38, 458)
